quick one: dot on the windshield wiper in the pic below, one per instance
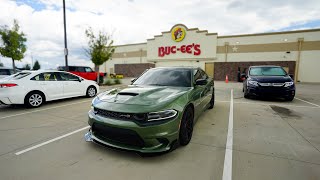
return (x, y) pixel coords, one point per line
(155, 84)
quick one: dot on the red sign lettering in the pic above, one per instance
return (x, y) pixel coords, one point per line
(190, 49)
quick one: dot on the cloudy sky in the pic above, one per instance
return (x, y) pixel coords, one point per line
(134, 21)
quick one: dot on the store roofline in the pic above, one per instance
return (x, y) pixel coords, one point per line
(231, 36)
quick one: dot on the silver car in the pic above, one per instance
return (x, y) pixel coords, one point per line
(5, 72)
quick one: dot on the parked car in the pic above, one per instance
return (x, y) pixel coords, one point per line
(269, 81)
(33, 88)
(84, 71)
(155, 113)
(5, 72)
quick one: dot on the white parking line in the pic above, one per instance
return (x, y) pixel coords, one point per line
(227, 167)
(268, 104)
(50, 141)
(307, 102)
(43, 109)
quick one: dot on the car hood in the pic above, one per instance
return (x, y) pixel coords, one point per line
(146, 96)
(271, 79)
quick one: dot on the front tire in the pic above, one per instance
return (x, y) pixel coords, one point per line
(91, 91)
(290, 98)
(34, 99)
(186, 127)
(211, 103)
(245, 94)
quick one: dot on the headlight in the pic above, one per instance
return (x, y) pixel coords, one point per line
(254, 83)
(162, 115)
(287, 84)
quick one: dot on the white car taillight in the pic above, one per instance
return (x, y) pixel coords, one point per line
(7, 85)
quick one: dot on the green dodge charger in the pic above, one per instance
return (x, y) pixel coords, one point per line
(155, 113)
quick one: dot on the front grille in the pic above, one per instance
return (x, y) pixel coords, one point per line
(271, 84)
(119, 115)
(117, 135)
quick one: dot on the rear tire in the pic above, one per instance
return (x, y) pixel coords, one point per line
(34, 99)
(186, 127)
(91, 91)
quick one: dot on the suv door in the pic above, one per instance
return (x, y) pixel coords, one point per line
(90, 73)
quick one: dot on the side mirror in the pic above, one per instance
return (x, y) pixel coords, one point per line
(243, 75)
(80, 79)
(133, 80)
(291, 75)
(201, 82)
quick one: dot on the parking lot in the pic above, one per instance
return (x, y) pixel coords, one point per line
(245, 139)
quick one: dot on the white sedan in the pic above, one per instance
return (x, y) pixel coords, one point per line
(33, 88)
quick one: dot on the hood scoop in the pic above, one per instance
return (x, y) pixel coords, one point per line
(128, 93)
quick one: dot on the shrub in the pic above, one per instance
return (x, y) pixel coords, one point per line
(107, 82)
(117, 81)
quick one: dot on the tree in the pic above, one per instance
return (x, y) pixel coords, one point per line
(13, 43)
(36, 65)
(100, 48)
(27, 67)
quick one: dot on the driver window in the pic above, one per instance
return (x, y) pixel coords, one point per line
(197, 75)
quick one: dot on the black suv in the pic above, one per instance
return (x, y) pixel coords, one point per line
(269, 81)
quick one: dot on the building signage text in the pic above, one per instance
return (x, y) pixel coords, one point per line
(190, 49)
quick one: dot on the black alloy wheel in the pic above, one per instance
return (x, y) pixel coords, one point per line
(186, 127)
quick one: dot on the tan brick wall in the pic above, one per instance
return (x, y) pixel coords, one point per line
(221, 69)
(132, 70)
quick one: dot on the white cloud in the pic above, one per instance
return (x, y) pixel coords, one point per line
(135, 21)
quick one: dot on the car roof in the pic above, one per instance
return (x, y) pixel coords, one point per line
(265, 66)
(5, 68)
(177, 67)
(74, 66)
(41, 71)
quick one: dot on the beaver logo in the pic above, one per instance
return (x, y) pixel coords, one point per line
(178, 34)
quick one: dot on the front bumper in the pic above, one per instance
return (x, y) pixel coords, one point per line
(130, 136)
(271, 91)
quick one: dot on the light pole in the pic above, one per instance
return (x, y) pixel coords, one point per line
(65, 36)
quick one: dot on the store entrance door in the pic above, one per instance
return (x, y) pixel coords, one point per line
(209, 68)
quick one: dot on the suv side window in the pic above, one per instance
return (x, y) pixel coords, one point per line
(88, 69)
(80, 69)
(72, 68)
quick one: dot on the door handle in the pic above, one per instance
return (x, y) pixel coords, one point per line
(43, 83)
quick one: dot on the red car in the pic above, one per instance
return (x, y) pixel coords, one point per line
(83, 71)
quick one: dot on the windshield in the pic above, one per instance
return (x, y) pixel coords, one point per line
(165, 77)
(267, 71)
(17, 76)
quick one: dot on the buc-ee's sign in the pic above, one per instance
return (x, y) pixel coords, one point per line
(178, 33)
(190, 49)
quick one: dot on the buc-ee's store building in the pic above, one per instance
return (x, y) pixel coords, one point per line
(297, 51)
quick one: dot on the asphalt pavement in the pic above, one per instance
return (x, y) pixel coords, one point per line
(245, 139)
